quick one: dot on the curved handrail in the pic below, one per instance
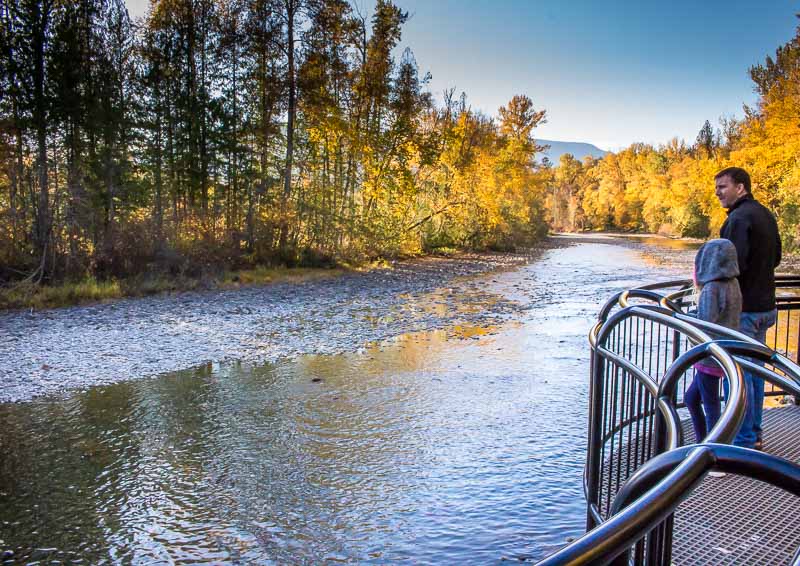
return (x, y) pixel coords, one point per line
(728, 458)
(742, 346)
(672, 298)
(644, 292)
(656, 314)
(739, 349)
(732, 416)
(669, 428)
(640, 293)
(669, 300)
(662, 316)
(621, 299)
(612, 538)
(699, 332)
(668, 305)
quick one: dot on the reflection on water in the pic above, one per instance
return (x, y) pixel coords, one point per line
(460, 445)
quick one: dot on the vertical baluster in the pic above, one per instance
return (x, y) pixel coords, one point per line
(640, 408)
(618, 426)
(606, 418)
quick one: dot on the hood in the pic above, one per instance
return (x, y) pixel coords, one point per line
(715, 260)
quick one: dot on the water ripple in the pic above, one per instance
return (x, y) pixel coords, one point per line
(460, 445)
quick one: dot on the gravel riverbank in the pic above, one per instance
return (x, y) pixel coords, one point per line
(51, 351)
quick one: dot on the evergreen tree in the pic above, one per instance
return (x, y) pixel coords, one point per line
(705, 139)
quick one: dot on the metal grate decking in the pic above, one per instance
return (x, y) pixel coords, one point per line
(736, 520)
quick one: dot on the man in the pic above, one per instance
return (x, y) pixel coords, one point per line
(754, 232)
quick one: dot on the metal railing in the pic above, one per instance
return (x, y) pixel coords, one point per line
(638, 470)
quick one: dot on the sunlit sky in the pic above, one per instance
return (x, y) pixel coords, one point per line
(608, 72)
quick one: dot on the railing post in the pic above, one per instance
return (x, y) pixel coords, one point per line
(597, 374)
(655, 538)
(676, 345)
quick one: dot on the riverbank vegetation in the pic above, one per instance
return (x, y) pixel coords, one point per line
(219, 135)
(215, 137)
(670, 189)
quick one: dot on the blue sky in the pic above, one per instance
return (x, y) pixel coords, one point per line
(608, 72)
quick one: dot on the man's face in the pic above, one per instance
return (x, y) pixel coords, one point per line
(728, 192)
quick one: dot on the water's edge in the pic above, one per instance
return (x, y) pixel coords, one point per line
(460, 437)
(57, 350)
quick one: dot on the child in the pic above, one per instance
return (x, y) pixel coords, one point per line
(720, 302)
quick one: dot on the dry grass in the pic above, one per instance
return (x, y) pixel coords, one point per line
(32, 296)
(269, 275)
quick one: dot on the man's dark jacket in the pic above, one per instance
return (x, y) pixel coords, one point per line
(753, 230)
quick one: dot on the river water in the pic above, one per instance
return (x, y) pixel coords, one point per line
(459, 445)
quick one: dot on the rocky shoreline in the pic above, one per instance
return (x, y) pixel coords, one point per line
(52, 351)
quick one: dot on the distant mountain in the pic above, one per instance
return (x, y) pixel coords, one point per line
(578, 150)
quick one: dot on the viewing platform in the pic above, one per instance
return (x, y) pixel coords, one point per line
(650, 497)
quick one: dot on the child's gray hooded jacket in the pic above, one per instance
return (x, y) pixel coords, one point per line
(716, 269)
(720, 300)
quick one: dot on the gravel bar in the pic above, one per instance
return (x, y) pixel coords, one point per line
(52, 351)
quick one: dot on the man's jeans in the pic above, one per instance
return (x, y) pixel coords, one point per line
(755, 325)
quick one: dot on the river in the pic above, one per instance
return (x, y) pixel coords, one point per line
(461, 443)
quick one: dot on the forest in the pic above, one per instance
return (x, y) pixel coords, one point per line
(670, 189)
(230, 134)
(215, 134)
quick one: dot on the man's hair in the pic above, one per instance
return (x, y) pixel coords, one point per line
(738, 175)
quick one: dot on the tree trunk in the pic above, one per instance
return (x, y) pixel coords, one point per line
(159, 204)
(203, 109)
(42, 232)
(287, 176)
